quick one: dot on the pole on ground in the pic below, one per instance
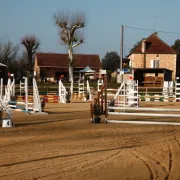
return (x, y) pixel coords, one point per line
(91, 111)
(105, 88)
(121, 47)
(26, 93)
(102, 98)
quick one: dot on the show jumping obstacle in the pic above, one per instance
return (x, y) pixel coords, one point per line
(82, 91)
(127, 94)
(6, 121)
(62, 92)
(99, 84)
(177, 91)
(9, 89)
(133, 111)
(23, 106)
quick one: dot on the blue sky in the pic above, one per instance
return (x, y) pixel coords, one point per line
(104, 19)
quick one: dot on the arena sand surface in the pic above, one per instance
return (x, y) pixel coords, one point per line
(65, 145)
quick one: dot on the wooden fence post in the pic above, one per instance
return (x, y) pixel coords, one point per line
(91, 111)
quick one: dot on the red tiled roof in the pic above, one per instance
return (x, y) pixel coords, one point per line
(154, 45)
(61, 60)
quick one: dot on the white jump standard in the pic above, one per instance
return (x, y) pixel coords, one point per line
(25, 106)
(7, 121)
(134, 111)
(62, 92)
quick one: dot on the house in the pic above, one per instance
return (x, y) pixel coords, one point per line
(52, 66)
(153, 58)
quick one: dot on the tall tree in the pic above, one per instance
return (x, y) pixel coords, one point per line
(176, 47)
(70, 23)
(22, 65)
(111, 61)
(31, 44)
(9, 55)
(8, 52)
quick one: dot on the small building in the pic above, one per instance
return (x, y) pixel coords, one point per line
(153, 57)
(161, 75)
(52, 66)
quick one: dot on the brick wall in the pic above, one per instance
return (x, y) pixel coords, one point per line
(167, 61)
(137, 60)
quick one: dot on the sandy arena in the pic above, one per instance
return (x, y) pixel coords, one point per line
(64, 145)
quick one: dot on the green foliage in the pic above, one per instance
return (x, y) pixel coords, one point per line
(111, 61)
(176, 47)
(108, 75)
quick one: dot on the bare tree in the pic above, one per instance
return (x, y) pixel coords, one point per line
(69, 24)
(31, 44)
(22, 65)
(8, 52)
(9, 55)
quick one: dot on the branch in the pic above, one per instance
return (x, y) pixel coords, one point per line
(61, 19)
(77, 44)
(64, 35)
(29, 42)
(67, 34)
(26, 45)
(76, 27)
(35, 47)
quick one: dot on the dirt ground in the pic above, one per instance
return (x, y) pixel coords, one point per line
(66, 145)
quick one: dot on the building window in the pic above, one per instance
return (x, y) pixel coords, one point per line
(130, 63)
(154, 63)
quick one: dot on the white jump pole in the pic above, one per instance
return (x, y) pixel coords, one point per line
(26, 94)
(143, 114)
(144, 122)
(62, 92)
(123, 112)
(60, 84)
(36, 98)
(144, 109)
(13, 85)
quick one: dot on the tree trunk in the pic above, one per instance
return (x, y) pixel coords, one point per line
(70, 51)
(30, 68)
(70, 73)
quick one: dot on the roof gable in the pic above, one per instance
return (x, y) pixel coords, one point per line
(154, 45)
(61, 60)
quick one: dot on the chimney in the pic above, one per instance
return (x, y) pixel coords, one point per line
(156, 33)
(143, 45)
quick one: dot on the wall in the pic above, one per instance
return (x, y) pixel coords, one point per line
(137, 60)
(167, 61)
(36, 68)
